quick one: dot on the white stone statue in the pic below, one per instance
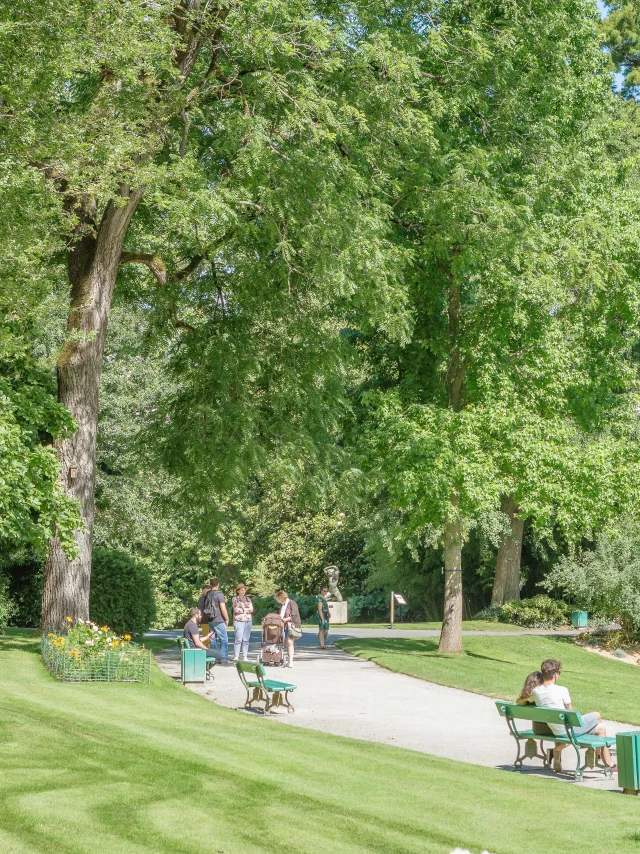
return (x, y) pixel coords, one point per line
(333, 574)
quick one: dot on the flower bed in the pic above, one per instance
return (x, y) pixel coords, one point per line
(89, 653)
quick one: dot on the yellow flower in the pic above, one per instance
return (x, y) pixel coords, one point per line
(127, 637)
(69, 619)
(104, 628)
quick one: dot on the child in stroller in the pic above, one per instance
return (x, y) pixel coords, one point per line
(272, 647)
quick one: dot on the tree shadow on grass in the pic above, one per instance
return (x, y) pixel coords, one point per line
(21, 640)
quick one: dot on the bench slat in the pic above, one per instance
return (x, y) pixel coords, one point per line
(581, 740)
(270, 685)
(539, 713)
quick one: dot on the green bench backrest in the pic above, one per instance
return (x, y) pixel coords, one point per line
(539, 713)
(250, 667)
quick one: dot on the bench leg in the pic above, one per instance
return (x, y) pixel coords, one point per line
(593, 760)
(578, 772)
(253, 696)
(530, 752)
(287, 703)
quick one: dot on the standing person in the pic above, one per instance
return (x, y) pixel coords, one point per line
(323, 616)
(215, 610)
(205, 589)
(203, 625)
(242, 608)
(554, 696)
(291, 615)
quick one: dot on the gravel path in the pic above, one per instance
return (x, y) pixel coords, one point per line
(344, 695)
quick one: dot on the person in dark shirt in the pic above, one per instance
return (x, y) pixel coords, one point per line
(205, 589)
(204, 625)
(216, 613)
(195, 641)
(192, 632)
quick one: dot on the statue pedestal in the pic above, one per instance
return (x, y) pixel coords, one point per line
(339, 612)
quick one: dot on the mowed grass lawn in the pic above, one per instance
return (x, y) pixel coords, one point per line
(149, 769)
(498, 666)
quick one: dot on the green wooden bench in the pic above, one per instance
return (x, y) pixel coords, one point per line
(194, 667)
(568, 719)
(266, 691)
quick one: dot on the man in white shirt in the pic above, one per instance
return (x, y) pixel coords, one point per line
(554, 696)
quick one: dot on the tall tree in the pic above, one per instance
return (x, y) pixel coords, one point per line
(157, 134)
(511, 247)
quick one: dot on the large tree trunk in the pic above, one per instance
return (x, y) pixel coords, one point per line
(506, 585)
(93, 260)
(451, 634)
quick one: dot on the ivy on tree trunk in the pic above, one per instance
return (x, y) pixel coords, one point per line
(93, 262)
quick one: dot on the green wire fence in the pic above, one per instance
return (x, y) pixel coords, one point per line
(129, 664)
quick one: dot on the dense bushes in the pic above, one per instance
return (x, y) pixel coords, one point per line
(373, 608)
(7, 607)
(121, 592)
(605, 581)
(539, 612)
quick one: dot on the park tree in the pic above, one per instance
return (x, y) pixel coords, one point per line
(203, 155)
(620, 34)
(523, 289)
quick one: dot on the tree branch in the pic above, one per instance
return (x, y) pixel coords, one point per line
(155, 264)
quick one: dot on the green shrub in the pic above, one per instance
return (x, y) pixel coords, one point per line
(121, 592)
(374, 607)
(491, 613)
(7, 606)
(540, 612)
(605, 581)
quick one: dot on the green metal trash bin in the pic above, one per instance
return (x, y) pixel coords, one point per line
(193, 665)
(628, 758)
(579, 619)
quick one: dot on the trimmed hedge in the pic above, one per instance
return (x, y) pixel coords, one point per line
(121, 592)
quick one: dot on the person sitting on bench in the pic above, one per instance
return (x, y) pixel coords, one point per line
(554, 696)
(533, 680)
(194, 639)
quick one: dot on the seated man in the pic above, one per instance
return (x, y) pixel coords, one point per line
(195, 641)
(555, 696)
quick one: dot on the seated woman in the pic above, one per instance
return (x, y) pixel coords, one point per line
(533, 680)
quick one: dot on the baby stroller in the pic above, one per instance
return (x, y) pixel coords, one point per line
(272, 647)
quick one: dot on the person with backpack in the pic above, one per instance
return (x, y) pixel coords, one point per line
(215, 613)
(293, 624)
(204, 627)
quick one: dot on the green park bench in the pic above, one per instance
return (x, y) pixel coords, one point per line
(194, 664)
(568, 719)
(266, 691)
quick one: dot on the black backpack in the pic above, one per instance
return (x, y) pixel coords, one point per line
(209, 609)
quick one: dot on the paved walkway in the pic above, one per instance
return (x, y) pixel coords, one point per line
(344, 695)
